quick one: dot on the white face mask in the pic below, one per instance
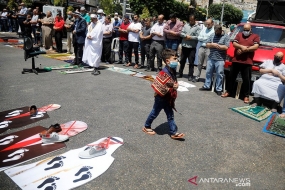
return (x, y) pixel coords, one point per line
(246, 33)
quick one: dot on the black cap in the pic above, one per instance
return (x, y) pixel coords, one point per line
(127, 17)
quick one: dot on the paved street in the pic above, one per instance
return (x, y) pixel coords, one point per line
(219, 143)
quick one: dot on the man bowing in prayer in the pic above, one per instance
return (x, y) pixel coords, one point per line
(93, 44)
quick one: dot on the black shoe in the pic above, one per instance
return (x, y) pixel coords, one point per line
(219, 93)
(196, 79)
(140, 67)
(120, 62)
(73, 63)
(179, 76)
(96, 72)
(204, 89)
(190, 78)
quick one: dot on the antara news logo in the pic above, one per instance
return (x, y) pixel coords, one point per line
(239, 182)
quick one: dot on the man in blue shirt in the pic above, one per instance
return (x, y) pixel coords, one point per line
(218, 44)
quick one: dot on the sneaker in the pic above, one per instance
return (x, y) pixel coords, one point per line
(53, 138)
(91, 152)
(196, 79)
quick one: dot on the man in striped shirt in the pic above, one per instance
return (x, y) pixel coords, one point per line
(218, 44)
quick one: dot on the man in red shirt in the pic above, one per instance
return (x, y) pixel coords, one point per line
(123, 40)
(245, 44)
(58, 28)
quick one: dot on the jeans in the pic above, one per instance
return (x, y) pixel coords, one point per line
(245, 70)
(123, 48)
(159, 104)
(190, 54)
(172, 44)
(218, 66)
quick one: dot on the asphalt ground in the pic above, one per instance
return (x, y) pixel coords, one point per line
(219, 143)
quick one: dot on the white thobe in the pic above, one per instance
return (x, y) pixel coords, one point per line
(93, 47)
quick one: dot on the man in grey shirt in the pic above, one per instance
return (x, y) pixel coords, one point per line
(189, 36)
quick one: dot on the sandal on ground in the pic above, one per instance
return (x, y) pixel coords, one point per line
(178, 136)
(148, 131)
(273, 110)
(136, 66)
(282, 115)
(246, 100)
(226, 94)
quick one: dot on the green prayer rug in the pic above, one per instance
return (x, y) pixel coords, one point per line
(257, 113)
(275, 125)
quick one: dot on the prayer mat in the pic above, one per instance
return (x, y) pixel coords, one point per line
(275, 125)
(67, 170)
(257, 113)
(55, 55)
(20, 117)
(122, 70)
(22, 146)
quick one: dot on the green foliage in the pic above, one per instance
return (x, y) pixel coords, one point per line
(59, 2)
(69, 8)
(118, 9)
(231, 14)
(107, 6)
(200, 14)
(28, 3)
(12, 4)
(145, 13)
(155, 8)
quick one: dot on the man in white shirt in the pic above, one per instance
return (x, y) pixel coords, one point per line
(157, 44)
(133, 37)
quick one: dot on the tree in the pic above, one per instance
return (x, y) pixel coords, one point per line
(145, 13)
(28, 3)
(107, 6)
(12, 4)
(69, 8)
(118, 8)
(232, 14)
(155, 7)
(200, 13)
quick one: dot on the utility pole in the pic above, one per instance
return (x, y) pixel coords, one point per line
(124, 7)
(222, 15)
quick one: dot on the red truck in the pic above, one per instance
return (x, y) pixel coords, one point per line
(269, 24)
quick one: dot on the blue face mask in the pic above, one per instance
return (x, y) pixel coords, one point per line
(77, 19)
(99, 16)
(173, 64)
(69, 16)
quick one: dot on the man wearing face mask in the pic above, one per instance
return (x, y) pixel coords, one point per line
(269, 85)
(218, 44)
(93, 44)
(68, 25)
(165, 92)
(84, 15)
(189, 36)
(245, 44)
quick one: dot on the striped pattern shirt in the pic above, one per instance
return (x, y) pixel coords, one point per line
(216, 54)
